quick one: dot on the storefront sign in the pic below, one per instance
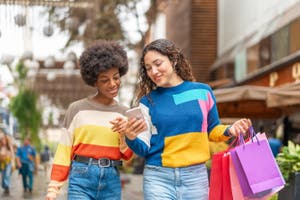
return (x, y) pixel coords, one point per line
(296, 72)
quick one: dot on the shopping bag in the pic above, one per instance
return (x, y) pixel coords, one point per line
(237, 193)
(220, 187)
(226, 186)
(215, 182)
(256, 168)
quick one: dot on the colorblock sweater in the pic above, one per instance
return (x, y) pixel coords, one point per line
(181, 121)
(86, 132)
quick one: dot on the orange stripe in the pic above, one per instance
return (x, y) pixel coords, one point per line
(59, 172)
(96, 151)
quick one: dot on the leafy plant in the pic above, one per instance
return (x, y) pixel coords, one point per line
(24, 107)
(289, 160)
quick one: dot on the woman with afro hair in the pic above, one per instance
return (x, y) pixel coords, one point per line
(89, 151)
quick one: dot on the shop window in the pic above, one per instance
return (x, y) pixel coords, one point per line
(240, 65)
(265, 52)
(294, 36)
(252, 58)
(280, 44)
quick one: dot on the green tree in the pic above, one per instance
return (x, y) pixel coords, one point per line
(24, 107)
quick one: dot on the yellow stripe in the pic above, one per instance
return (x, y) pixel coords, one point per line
(185, 149)
(96, 135)
(62, 155)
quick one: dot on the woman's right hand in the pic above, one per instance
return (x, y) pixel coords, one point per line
(50, 198)
(134, 127)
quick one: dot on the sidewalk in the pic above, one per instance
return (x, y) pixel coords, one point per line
(131, 191)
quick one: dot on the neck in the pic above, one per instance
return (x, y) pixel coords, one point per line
(102, 100)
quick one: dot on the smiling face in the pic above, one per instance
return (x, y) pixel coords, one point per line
(108, 84)
(160, 70)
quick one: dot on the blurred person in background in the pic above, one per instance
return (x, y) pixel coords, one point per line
(27, 164)
(45, 156)
(7, 161)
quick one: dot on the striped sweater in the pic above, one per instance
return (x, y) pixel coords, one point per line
(86, 132)
(182, 119)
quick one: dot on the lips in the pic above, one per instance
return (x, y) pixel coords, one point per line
(157, 78)
(113, 91)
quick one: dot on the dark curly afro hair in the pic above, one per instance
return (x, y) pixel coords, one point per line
(101, 56)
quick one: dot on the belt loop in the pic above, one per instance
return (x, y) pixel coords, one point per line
(90, 161)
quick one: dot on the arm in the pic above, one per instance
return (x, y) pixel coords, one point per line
(219, 132)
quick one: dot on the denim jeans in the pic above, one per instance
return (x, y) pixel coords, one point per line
(91, 182)
(6, 173)
(27, 176)
(185, 183)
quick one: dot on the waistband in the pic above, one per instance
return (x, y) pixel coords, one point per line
(101, 162)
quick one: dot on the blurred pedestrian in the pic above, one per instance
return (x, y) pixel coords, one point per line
(90, 152)
(27, 164)
(7, 159)
(182, 117)
(274, 143)
(45, 156)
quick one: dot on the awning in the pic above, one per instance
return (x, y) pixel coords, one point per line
(245, 101)
(288, 95)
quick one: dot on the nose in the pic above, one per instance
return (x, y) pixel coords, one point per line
(153, 70)
(113, 82)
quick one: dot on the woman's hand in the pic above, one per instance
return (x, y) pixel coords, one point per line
(130, 128)
(135, 127)
(240, 127)
(119, 125)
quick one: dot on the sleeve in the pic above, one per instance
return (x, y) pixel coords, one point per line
(216, 131)
(62, 157)
(127, 154)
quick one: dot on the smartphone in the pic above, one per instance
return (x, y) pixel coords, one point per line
(134, 112)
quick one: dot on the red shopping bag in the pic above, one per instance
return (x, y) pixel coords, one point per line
(220, 187)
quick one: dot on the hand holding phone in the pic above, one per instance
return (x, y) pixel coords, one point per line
(135, 113)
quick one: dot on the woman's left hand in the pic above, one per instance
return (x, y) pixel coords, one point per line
(119, 125)
(240, 127)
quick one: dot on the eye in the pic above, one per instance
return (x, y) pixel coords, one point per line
(148, 68)
(103, 80)
(158, 63)
(116, 78)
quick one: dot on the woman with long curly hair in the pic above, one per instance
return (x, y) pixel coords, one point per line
(182, 117)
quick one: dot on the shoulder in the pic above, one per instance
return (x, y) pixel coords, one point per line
(77, 104)
(199, 85)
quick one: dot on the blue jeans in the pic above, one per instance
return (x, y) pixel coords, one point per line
(186, 183)
(27, 176)
(6, 173)
(91, 182)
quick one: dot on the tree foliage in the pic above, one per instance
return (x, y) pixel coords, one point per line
(102, 21)
(24, 107)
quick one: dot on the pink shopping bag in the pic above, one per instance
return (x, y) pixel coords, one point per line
(256, 168)
(237, 193)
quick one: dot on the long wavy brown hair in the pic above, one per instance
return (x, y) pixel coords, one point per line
(175, 55)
